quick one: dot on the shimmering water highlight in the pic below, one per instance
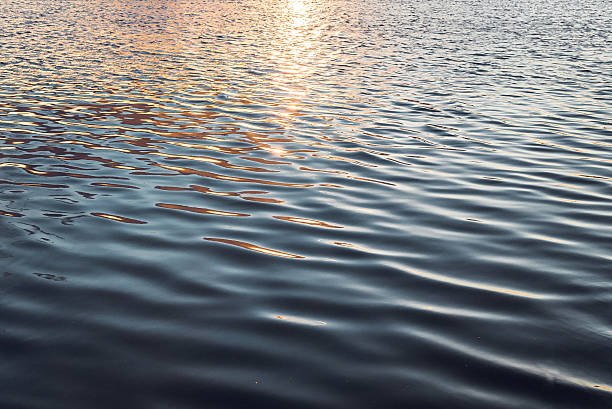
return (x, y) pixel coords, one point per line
(305, 204)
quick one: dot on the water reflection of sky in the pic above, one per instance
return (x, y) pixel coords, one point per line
(381, 169)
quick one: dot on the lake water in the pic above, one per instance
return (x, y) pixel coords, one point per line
(305, 204)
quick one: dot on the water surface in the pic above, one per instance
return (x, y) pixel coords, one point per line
(305, 204)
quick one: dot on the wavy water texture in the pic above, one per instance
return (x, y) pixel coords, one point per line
(305, 204)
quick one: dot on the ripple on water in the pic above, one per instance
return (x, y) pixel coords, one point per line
(305, 204)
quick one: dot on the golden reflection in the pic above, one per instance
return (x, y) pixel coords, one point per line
(262, 199)
(125, 167)
(188, 171)
(223, 149)
(17, 165)
(118, 218)
(115, 185)
(581, 175)
(31, 169)
(219, 162)
(200, 210)
(276, 151)
(10, 214)
(310, 222)
(254, 247)
(206, 190)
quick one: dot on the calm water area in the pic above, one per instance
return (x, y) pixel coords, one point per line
(331, 204)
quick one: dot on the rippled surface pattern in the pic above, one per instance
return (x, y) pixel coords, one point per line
(305, 204)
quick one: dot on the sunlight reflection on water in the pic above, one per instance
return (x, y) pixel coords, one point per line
(357, 204)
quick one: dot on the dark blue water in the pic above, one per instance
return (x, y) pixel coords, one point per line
(305, 204)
